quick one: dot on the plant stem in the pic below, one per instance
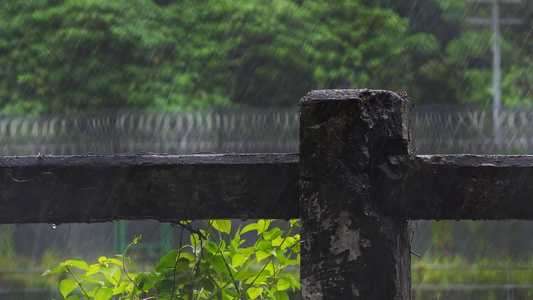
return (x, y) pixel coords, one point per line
(79, 283)
(227, 265)
(175, 266)
(269, 260)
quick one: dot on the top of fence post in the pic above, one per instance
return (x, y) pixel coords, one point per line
(350, 250)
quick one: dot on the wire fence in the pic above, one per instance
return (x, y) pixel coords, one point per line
(435, 129)
(470, 129)
(249, 130)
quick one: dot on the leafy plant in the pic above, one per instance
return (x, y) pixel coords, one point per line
(207, 268)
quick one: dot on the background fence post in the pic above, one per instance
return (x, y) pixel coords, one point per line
(350, 250)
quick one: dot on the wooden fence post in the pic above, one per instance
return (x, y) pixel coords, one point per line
(350, 249)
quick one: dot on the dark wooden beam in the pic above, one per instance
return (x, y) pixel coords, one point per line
(349, 250)
(456, 187)
(98, 188)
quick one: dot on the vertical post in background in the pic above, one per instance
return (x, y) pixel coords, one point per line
(165, 239)
(350, 250)
(496, 78)
(120, 236)
(495, 22)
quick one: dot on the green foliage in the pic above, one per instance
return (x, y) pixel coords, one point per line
(470, 53)
(78, 55)
(210, 267)
(475, 240)
(447, 272)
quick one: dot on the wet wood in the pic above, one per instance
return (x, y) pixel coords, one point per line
(349, 249)
(98, 188)
(457, 187)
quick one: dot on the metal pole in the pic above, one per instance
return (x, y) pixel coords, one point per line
(496, 101)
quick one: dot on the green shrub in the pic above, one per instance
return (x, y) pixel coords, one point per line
(207, 268)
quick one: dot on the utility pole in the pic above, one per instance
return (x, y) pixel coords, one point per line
(496, 65)
(495, 21)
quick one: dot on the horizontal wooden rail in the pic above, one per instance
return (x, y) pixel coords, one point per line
(98, 188)
(457, 187)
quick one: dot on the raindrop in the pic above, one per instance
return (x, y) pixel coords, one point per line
(54, 226)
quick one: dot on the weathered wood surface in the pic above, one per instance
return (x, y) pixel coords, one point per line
(350, 250)
(97, 188)
(457, 187)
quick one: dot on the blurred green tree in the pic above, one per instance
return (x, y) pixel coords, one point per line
(78, 55)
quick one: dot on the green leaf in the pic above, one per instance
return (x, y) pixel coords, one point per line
(281, 285)
(263, 245)
(164, 285)
(258, 279)
(233, 294)
(280, 295)
(103, 294)
(207, 256)
(115, 261)
(67, 286)
(167, 262)
(247, 251)
(188, 256)
(237, 260)
(292, 262)
(261, 254)
(222, 225)
(72, 297)
(58, 269)
(295, 284)
(91, 279)
(121, 289)
(249, 227)
(195, 239)
(237, 237)
(270, 268)
(93, 291)
(244, 275)
(144, 281)
(116, 276)
(280, 256)
(283, 243)
(262, 225)
(220, 267)
(233, 248)
(109, 271)
(93, 269)
(78, 264)
(211, 247)
(254, 292)
(272, 233)
(207, 284)
(182, 265)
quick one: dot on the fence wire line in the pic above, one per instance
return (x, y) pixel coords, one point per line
(163, 132)
(435, 129)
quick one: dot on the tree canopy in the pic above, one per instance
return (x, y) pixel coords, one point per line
(78, 55)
